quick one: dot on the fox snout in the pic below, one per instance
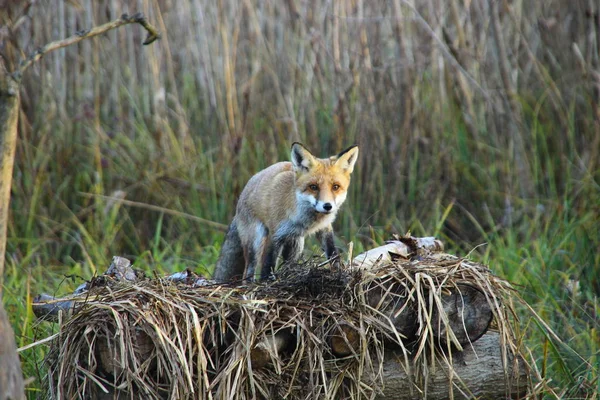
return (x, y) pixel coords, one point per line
(324, 207)
(320, 206)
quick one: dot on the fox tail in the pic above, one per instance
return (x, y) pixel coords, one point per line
(230, 264)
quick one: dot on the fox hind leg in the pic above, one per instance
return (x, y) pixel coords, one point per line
(255, 250)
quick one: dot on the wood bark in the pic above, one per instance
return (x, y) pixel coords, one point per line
(11, 379)
(345, 340)
(478, 372)
(467, 312)
(469, 315)
(402, 248)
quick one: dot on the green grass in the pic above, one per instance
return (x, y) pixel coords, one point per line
(555, 270)
(543, 253)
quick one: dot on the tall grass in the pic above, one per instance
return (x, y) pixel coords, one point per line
(478, 121)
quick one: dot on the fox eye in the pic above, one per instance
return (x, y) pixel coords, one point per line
(335, 187)
(313, 187)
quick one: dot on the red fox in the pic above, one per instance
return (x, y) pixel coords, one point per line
(279, 207)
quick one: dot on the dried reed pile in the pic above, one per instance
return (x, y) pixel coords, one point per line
(310, 334)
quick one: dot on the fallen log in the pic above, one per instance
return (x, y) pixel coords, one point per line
(477, 372)
(49, 308)
(311, 333)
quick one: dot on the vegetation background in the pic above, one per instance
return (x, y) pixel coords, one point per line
(478, 122)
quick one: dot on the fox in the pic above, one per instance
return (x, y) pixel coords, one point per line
(279, 207)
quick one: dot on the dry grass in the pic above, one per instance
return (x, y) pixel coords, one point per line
(157, 339)
(512, 86)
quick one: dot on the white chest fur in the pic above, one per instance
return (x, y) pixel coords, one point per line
(321, 224)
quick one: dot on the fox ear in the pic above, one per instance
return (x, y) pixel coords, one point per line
(347, 158)
(302, 159)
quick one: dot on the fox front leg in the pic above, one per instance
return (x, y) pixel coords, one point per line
(327, 242)
(292, 249)
(287, 240)
(326, 238)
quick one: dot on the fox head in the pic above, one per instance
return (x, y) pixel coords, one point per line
(322, 183)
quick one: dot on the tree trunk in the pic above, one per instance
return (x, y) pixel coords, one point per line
(9, 116)
(11, 379)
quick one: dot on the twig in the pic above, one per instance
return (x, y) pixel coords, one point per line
(212, 224)
(42, 341)
(125, 19)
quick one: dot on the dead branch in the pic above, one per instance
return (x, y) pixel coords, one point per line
(125, 19)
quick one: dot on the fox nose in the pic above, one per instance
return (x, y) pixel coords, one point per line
(327, 206)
